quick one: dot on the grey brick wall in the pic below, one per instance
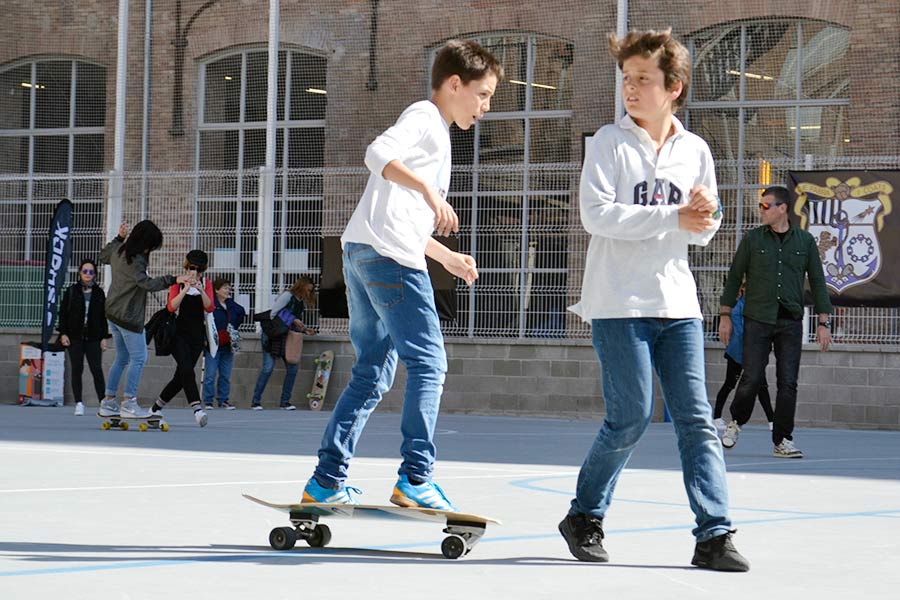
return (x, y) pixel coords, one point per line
(851, 387)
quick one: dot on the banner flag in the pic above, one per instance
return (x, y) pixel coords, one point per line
(850, 215)
(59, 248)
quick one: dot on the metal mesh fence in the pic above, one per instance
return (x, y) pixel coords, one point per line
(185, 143)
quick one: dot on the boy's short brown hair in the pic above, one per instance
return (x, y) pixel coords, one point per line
(218, 282)
(466, 58)
(673, 58)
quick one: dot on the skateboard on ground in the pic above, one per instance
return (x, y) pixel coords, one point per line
(463, 530)
(144, 423)
(316, 396)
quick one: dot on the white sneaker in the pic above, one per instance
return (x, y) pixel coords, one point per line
(131, 409)
(108, 408)
(288, 407)
(201, 417)
(79, 409)
(256, 407)
(787, 449)
(730, 437)
(720, 425)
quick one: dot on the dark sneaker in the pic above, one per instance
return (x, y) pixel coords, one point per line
(719, 554)
(584, 535)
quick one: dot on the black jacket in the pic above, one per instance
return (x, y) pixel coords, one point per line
(71, 314)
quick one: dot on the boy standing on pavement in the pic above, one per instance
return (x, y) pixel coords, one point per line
(648, 189)
(389, 293)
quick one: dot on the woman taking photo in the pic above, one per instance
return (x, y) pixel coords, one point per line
(83, 330)
(126, 305)
(191, 299)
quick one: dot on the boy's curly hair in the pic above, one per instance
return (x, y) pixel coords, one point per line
(673, 58)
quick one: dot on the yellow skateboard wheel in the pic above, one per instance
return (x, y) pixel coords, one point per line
(123, 425)
(163, 426)
(142, 427)
(105, 425)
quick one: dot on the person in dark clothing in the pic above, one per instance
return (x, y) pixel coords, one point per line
(734, 356)
(83, 330)
(775, 259)
(191, 300)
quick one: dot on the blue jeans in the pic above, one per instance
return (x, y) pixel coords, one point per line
(392, 315)
(220, 365)
(786, 337)
(268, 365)
(629, 351)
(131, 354)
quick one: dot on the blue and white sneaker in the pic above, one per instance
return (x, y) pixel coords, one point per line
(426, 495)
(313, 492)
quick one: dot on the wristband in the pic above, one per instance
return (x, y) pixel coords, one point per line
(718, 213)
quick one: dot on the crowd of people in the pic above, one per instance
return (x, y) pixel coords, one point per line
(645, 318)
(89, 317)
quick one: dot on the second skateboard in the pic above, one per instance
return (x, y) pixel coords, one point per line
(316, 396)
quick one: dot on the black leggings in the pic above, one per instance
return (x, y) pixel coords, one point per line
(732, 375)
(185, 351)
(78, 350)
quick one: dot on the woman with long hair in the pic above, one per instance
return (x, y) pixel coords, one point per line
(191, 299)
(126, 303)
(289, 306)
(83, 330)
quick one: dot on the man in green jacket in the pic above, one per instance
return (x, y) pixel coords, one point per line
(774, 259)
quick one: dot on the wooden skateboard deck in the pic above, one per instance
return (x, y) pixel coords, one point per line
(144, 423)
(463, 529)
(316, 396)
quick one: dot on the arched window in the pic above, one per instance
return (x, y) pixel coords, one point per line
(52, 118)
(765, 93)
(512, 192)
(231, 146)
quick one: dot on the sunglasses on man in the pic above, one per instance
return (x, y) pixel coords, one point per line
(768, 205)
(87, 271)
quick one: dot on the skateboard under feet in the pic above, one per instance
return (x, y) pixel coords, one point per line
(144, 423)
(463, 530)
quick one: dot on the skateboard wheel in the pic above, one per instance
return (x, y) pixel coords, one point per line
(314, 404)
(105, 425)
(309, 396)
(142, 427)
(453, 547)
(282, 538)
(163, 426)
(319, 537)
(123, 425)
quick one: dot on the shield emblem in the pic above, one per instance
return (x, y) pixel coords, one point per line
(845, 233)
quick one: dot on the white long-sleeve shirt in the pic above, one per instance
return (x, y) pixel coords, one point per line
(391, 218)
(637, 259)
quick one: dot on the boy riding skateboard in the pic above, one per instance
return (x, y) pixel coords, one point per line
(389, 293)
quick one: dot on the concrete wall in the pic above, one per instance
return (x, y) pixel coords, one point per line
(847, 387)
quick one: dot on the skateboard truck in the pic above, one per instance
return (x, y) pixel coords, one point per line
(305, 527)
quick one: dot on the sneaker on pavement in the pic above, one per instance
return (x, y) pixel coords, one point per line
(719, 554)
(730, 437)
(425, 495)
(719, 424)
(256, 407)
(313, 492)
(130, 408)
(584, 535)
(228, 406)
(787, 449)
(79, 409)
(209, 406)
(201, 417)
(108, 408)
(288, 407)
